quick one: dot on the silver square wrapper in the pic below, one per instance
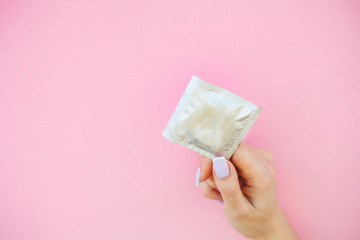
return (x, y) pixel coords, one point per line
(210, 120)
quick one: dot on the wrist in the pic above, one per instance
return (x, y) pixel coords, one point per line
(278, 227)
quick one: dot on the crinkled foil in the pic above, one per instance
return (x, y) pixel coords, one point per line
(210, 119)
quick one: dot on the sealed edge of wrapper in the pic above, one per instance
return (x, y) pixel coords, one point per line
(254, 112)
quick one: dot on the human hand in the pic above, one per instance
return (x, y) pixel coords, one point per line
(246, 184)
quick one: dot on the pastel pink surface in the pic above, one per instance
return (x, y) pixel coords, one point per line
(87, 87)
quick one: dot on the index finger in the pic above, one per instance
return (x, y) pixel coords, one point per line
(250, 162)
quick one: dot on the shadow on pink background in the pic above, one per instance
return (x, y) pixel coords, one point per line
(87, 87)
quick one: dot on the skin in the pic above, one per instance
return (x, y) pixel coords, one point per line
(248, 194)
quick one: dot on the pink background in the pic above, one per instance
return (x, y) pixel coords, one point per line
(87, 87)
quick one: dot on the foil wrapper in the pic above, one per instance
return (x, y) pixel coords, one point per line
(210, 120)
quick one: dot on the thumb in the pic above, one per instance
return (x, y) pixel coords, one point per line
(227, 182)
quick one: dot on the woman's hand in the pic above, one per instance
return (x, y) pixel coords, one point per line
(246, 185)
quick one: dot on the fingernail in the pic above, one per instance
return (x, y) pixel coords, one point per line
(219, 201)
(197, 177)
(221, 167)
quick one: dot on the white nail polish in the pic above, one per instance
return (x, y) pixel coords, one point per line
(221, 167)
(197, 177)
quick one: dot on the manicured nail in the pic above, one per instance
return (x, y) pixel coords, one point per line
(197, 177)
(221, 167)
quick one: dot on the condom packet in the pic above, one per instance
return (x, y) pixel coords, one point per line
(210, 120)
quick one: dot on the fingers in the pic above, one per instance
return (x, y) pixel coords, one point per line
(227, 182)
(209, 181)
(206, 167)
(210, 192)
(253, 163)
(265, 155)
